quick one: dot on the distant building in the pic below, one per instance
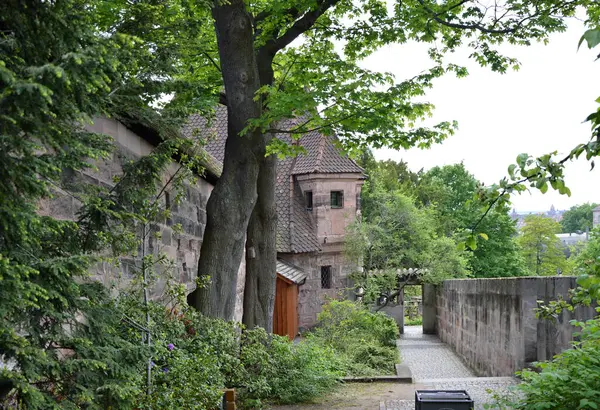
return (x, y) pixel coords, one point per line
(572, 238)
(519, 217)
(596, 216)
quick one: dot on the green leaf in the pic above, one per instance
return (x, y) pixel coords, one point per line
(592, 37)
(471, 242)
(522, 159)
(484, 236)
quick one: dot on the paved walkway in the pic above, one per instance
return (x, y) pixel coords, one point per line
(435, 365)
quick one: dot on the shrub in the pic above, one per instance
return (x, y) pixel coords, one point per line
(413, 322)
(209, 354)
(275, 369)
(366, 340)
(182, 379)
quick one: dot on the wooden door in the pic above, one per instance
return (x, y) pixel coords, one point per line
(285, 314)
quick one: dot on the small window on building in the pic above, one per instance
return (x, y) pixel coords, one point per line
(168, 208)
(308, 200)
(325, 277)
(167, 200)
(337, 199)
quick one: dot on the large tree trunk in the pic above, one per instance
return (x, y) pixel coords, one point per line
(261, 252)
(234, 196)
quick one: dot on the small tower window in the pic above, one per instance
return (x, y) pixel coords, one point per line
(326, 277)
(308, 200)
(337, 199)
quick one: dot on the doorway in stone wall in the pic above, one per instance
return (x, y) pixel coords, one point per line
(413, 305)
(418, 302)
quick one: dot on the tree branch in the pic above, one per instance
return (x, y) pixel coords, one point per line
(509, 187)
(211, 60)
(298, 129)
(478, 26)
(300, 26)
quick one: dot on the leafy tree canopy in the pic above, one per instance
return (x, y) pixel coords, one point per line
(446, 193)
(400, 235)
(578, 218)
(541, 248)
(62, 63)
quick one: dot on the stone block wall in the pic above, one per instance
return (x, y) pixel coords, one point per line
(331, 223)
(182, 248)
(311, 296)
(491, 323)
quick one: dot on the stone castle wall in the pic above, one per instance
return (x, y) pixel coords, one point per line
(182, 248)
(491, 323)
(311, 296)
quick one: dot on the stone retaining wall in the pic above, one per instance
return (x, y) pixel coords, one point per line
(491, 323)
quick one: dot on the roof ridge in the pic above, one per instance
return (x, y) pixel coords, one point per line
(291, 193)
(320, 153)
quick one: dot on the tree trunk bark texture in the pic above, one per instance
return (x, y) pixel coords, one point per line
(231, 203)
(261, 252)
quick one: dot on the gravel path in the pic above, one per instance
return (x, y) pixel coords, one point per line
(436, 366)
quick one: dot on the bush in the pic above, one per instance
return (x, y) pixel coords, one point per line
(195, 357)
(182, 379)
(413, 322)
(275, 369)
(366, 340)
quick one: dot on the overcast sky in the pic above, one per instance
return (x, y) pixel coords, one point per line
(538, 109)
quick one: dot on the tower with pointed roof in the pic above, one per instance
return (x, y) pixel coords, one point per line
(318, 196)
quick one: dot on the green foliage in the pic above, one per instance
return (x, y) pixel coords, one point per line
(418, 321)
(494, 252)
(578, 218)
(64, 335)
(588, 260)
(183, 378)
(450, 189)
(541, 248)
(369, 107)
(571, 380)
(442, 208)
(398, 234)
(367, 341)
(64, 338)
(499, 255)
(275, 369)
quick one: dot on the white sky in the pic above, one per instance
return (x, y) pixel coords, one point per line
(538, 109)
